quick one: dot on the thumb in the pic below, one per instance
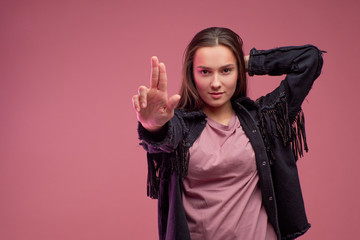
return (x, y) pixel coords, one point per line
(173, 102)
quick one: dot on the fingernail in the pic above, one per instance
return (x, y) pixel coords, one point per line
(138, 109)
(143, 105)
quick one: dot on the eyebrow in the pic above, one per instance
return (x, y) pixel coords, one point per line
(225, 66)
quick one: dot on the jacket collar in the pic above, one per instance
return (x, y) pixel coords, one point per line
(198, 114)
(240, 102)
(246, 103)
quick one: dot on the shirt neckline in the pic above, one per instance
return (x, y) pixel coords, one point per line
(221, 126)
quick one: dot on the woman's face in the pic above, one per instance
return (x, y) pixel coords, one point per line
(215, 74)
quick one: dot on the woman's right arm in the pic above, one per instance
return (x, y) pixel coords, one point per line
(154, 110)
(152, 106)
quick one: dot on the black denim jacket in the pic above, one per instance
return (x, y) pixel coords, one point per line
(274, 125)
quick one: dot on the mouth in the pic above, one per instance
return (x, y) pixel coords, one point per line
(216, 94)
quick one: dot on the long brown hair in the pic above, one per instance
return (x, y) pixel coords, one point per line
(209, 37)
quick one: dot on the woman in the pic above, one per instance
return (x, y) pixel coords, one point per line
(221, 165)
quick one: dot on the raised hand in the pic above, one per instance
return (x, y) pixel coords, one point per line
(152, 105)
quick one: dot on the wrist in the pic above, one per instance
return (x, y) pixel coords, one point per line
(246, 60)
(151, 128)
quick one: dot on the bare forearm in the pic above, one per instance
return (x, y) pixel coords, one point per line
(246, 59)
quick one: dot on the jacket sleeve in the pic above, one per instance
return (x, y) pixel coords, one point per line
(167, 139)
(301, 64)
(163, 145)
(280, 114)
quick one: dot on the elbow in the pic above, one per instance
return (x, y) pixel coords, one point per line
(315, 60)
(309, 63)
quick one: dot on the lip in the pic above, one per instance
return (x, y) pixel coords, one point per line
(216, 95)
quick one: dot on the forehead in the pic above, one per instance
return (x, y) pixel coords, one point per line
(214, 57)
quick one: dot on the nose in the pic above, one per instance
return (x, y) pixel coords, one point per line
(215, 83)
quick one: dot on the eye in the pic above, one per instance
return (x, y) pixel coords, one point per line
(227, 70)
(204, 72)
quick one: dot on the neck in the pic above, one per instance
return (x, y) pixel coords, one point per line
(220, 114)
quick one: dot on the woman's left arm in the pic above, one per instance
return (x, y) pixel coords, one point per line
(301, 64)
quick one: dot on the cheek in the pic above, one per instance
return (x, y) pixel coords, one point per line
(235, 83)
(235, 79)
(199, 83)
(231, 81)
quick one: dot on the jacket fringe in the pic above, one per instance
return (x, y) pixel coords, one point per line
(178, 163)
(180, 160)
(293, 133)
(153, 179)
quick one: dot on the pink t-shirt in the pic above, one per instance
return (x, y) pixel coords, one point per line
(222, 197)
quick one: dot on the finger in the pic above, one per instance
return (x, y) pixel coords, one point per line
(135, 100)
(162, 85)
(154, 72)
(173, 102)
(143, 96)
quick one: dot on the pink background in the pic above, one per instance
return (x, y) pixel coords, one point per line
(70, 164)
